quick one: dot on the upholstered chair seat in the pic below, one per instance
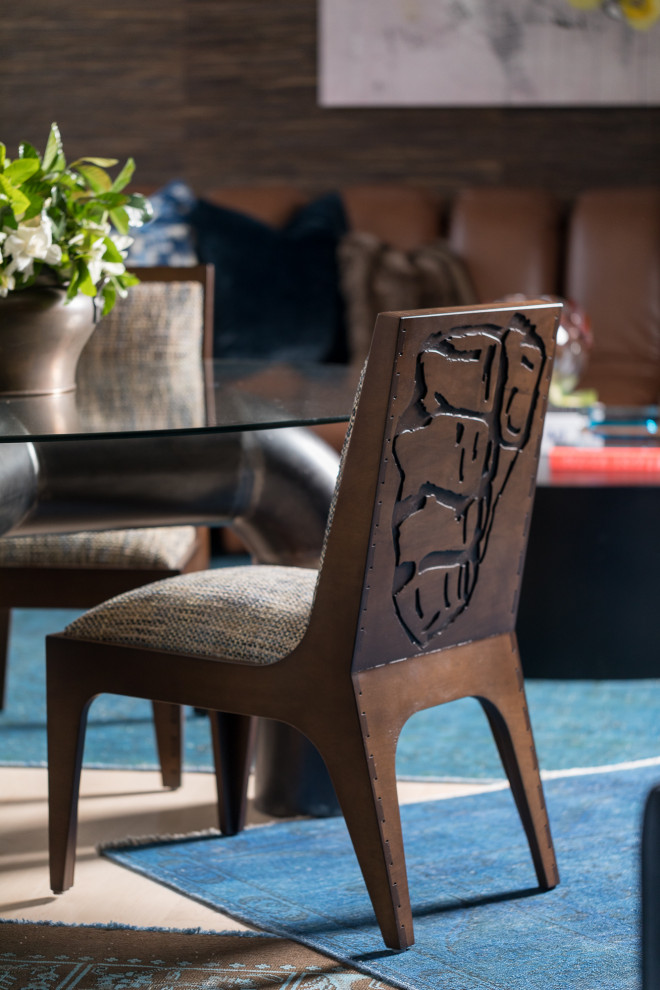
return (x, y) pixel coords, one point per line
(158, 547)
(247, 614)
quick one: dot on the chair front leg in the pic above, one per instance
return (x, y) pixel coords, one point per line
(67, 720)
(365, 783)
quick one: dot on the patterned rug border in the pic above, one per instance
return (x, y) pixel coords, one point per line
(273, 929)
(211, 954)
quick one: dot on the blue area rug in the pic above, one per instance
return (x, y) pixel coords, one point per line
(120, 731)
(576, 723)
(479, 919)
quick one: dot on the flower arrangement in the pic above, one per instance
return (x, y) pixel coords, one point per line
(66, 225)
(639, 14)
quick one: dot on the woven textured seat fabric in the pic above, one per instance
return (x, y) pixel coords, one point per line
(157, 547)
(254, 614)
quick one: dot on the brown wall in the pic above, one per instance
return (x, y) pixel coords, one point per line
(224, 92)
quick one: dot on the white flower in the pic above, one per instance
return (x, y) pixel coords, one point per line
(7, 283)
(134, 216)
(32, 241)
(122, 241)
(97, 267)
(113, 267)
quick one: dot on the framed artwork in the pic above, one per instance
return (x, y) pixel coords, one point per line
(485, 53)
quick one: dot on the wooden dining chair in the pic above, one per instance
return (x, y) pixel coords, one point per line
(414, 603)
(168, 317)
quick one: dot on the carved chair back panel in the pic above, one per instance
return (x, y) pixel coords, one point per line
(457, 479)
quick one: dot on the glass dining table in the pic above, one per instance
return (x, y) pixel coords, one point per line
(216, 443)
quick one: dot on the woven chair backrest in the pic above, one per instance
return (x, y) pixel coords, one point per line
(159, 323)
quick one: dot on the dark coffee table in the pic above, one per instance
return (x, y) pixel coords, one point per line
(590, 600)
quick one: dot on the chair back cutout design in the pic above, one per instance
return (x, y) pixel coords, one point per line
(435, 528)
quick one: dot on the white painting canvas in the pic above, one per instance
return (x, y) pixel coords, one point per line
(482, 53)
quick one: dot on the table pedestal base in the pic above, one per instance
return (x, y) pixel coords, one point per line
(290, 776)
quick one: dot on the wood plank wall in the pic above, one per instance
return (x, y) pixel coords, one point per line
(224, 92)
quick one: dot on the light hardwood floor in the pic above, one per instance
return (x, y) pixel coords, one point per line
(115, 805)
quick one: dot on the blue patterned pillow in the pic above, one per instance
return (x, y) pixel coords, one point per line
(276, 290)
(167, 239)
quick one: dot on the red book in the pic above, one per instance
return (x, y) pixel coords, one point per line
(627, 459)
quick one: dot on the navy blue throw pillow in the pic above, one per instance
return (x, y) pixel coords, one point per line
(276, 291)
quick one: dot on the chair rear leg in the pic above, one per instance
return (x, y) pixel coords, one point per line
(168, 725)
(67, 720)
(233, 746)
(5, 630)
(506, 709)
(365, 784)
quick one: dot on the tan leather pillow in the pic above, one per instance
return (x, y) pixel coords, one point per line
(375, 278)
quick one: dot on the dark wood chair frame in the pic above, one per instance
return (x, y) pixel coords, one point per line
(84, 586)
(367, 662)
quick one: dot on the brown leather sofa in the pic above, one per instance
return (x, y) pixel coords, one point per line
(602, 251)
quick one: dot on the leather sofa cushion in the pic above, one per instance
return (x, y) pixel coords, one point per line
(402, 216)
(509, 240)
(613, 272)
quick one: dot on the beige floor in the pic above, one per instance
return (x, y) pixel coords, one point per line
(115, 805)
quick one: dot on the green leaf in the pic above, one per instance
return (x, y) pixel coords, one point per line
(124, 176)
(36, 205)
(21, 169)
(109, 293)
(7, 218)
(27, 150)
(74, 282)
(97, 180)
(19, 201)
(110, 200)
(54, 150)
(102, 162)
(86, 285)
(111, 252)
(3, 154)
(119, 218)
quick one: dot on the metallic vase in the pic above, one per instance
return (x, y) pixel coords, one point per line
(41, 339)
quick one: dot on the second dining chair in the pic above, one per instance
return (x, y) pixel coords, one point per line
(414, 603)
(167, 317)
